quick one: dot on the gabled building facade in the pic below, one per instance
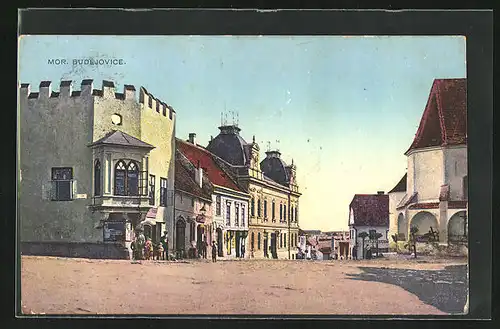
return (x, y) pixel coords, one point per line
(432, 195)
(92, 164)
(193, 208)
(368, 212)
(273, 189)
(230, 203)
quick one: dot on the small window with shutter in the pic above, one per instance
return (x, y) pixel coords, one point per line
(62, 184)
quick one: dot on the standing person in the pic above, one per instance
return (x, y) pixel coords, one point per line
(204, 246)
(139, 244)
(243, 250)
(164, 243)
(355, 253)
(214, 252)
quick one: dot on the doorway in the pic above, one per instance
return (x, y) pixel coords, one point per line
(274, 253)
(199, 238)
(266, 253)
(238, 244)
(220, 243)
(180, 236)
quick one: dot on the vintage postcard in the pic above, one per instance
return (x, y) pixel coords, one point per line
(243, 175)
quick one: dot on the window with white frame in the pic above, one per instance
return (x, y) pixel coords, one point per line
(228, 213)
(236, 214)
(243, 215)
(218, 205)
(163, 192)
(152, 180)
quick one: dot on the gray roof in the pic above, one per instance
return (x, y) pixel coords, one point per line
(275, 168)
(230, 146)
(116, 137)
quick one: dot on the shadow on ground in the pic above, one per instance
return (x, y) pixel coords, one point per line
(444, 289)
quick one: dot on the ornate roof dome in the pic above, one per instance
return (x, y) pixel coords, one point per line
(230, 146)
(275, 168)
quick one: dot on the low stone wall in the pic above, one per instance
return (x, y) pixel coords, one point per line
(75, 249)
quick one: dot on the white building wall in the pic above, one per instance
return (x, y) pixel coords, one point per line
(394, 199)
(428, 173)
(383, 242)
(221, 219)
(455, 170)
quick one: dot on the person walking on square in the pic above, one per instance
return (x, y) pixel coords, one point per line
(164, 243)
(214, 252)
(243, 251)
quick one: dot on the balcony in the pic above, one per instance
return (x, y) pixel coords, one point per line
(134, 202)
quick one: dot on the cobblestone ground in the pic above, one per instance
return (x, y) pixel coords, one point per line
(394, 287)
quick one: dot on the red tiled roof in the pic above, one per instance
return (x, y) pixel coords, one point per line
(457, 204)
(406, 201)
(215, 173)
(444, 121)
(401, 186)
(184, 179)
(428, 205)
(435, 205)
(324, 246)
(370, 209)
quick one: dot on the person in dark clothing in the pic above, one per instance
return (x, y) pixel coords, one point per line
(164, 243)
(214, 252)
(243, 251)
(355, 253)
(204, 246)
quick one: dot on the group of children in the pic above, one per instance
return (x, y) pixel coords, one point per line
(145, 249)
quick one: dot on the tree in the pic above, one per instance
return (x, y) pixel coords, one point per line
(395, 239)
(363, 236)
(413, 232)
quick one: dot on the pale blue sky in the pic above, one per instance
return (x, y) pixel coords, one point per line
(344, 108)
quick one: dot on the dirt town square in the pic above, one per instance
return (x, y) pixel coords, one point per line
(254, 287)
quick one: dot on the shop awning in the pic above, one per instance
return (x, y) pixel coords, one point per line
(152, 212)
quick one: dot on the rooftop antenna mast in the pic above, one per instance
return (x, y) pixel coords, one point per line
(237, 119)
(268, 146)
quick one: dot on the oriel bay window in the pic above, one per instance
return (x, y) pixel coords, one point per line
(97, 178)
(126, 178)
(62, 184)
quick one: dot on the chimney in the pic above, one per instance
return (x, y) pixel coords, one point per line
(380, 192)
(198, 175)
(192, 140)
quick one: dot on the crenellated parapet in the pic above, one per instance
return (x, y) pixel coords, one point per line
(108, 91)
(150, 102)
